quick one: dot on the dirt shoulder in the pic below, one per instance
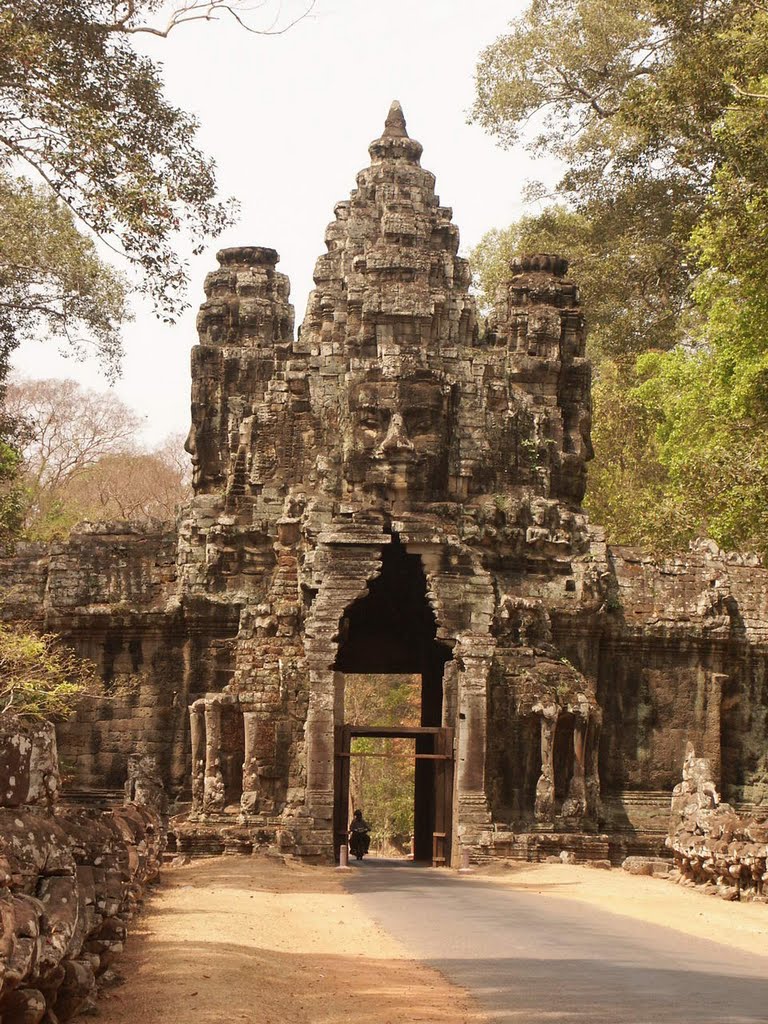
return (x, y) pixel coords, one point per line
(254, 941)
(742, 926)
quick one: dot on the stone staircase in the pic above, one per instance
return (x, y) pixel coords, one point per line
(93, 798)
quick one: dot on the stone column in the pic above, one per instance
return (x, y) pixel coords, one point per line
(320, 743)
(575, 805)
(249, 801)
(180, 701)
(545, 787)
(592, 753)
(472, 734)
(472, 811)
(213, 797)
(197, 735)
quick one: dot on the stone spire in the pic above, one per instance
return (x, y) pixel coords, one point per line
(395, 143)
(394, 126)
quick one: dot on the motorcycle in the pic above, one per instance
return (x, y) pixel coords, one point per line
(359, 841)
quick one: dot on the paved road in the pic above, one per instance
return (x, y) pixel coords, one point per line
(530, 960)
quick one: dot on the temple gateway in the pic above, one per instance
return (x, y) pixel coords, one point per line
(396, 489)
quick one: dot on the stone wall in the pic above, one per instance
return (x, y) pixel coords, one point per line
(110, 590)
(70, 880)
(685, 660)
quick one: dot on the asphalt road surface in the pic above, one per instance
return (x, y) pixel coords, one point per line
(528, 959)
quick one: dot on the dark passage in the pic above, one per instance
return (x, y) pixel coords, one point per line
(392, 630)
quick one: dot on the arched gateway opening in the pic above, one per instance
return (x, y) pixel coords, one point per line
(392, 631)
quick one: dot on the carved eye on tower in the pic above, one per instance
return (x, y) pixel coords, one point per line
(422, 421)
(373, 418)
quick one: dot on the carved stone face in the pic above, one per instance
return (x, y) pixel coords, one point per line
(202, 445)
(396, 443)
(204, 441)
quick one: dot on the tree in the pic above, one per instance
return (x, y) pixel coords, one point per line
(85, 112)
(82, 460)
(11, 494)
(67, 428)
(136, 485)
(657, 109)
(622, 92)
(51, 280)
(618, 92)
(39, 677)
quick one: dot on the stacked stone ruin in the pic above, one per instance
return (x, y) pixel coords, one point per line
(713, 846)
(396, 489)
(71, 878)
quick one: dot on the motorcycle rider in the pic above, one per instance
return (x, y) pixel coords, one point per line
(359, 832)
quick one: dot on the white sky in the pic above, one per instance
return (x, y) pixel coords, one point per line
(288, 120)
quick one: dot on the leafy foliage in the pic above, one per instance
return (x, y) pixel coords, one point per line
(39, 677)
(11, 493)
(658, 110)
(86, 112)
(52, 282)
(382, 784)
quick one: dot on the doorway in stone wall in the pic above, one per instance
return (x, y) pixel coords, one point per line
(391, 631)
(432, 790)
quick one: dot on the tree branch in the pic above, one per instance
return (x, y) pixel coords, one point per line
(202, 10)
(749, 95)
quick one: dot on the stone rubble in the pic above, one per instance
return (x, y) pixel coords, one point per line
(71, 879)
(713, 846)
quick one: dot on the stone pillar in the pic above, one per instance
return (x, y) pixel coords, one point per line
(213, 795)
(178, 743)
(592, 754)
(576, 804)
(545, 787)
(472, 734)
(249, 801)
(471, 800)
(197, 742)
(320, 744)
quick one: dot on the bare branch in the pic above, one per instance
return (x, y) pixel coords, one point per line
(747, 94)
(205, 10)
(592, 99)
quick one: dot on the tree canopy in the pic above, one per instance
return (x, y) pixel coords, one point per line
(81, 459)
(657, 109)
(85, 113)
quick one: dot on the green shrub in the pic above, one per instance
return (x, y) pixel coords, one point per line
(40, 677)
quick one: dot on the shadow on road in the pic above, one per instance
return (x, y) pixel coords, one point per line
(520, 990)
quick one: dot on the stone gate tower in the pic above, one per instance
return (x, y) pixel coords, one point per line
(396, 489)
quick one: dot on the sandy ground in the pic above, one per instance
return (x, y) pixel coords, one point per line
(257, 941)
(741, 926)
(251, 941)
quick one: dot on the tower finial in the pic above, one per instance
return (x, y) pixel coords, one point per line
(394, 126)
(395, 143)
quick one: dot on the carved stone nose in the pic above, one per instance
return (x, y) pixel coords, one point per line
(397, 439)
